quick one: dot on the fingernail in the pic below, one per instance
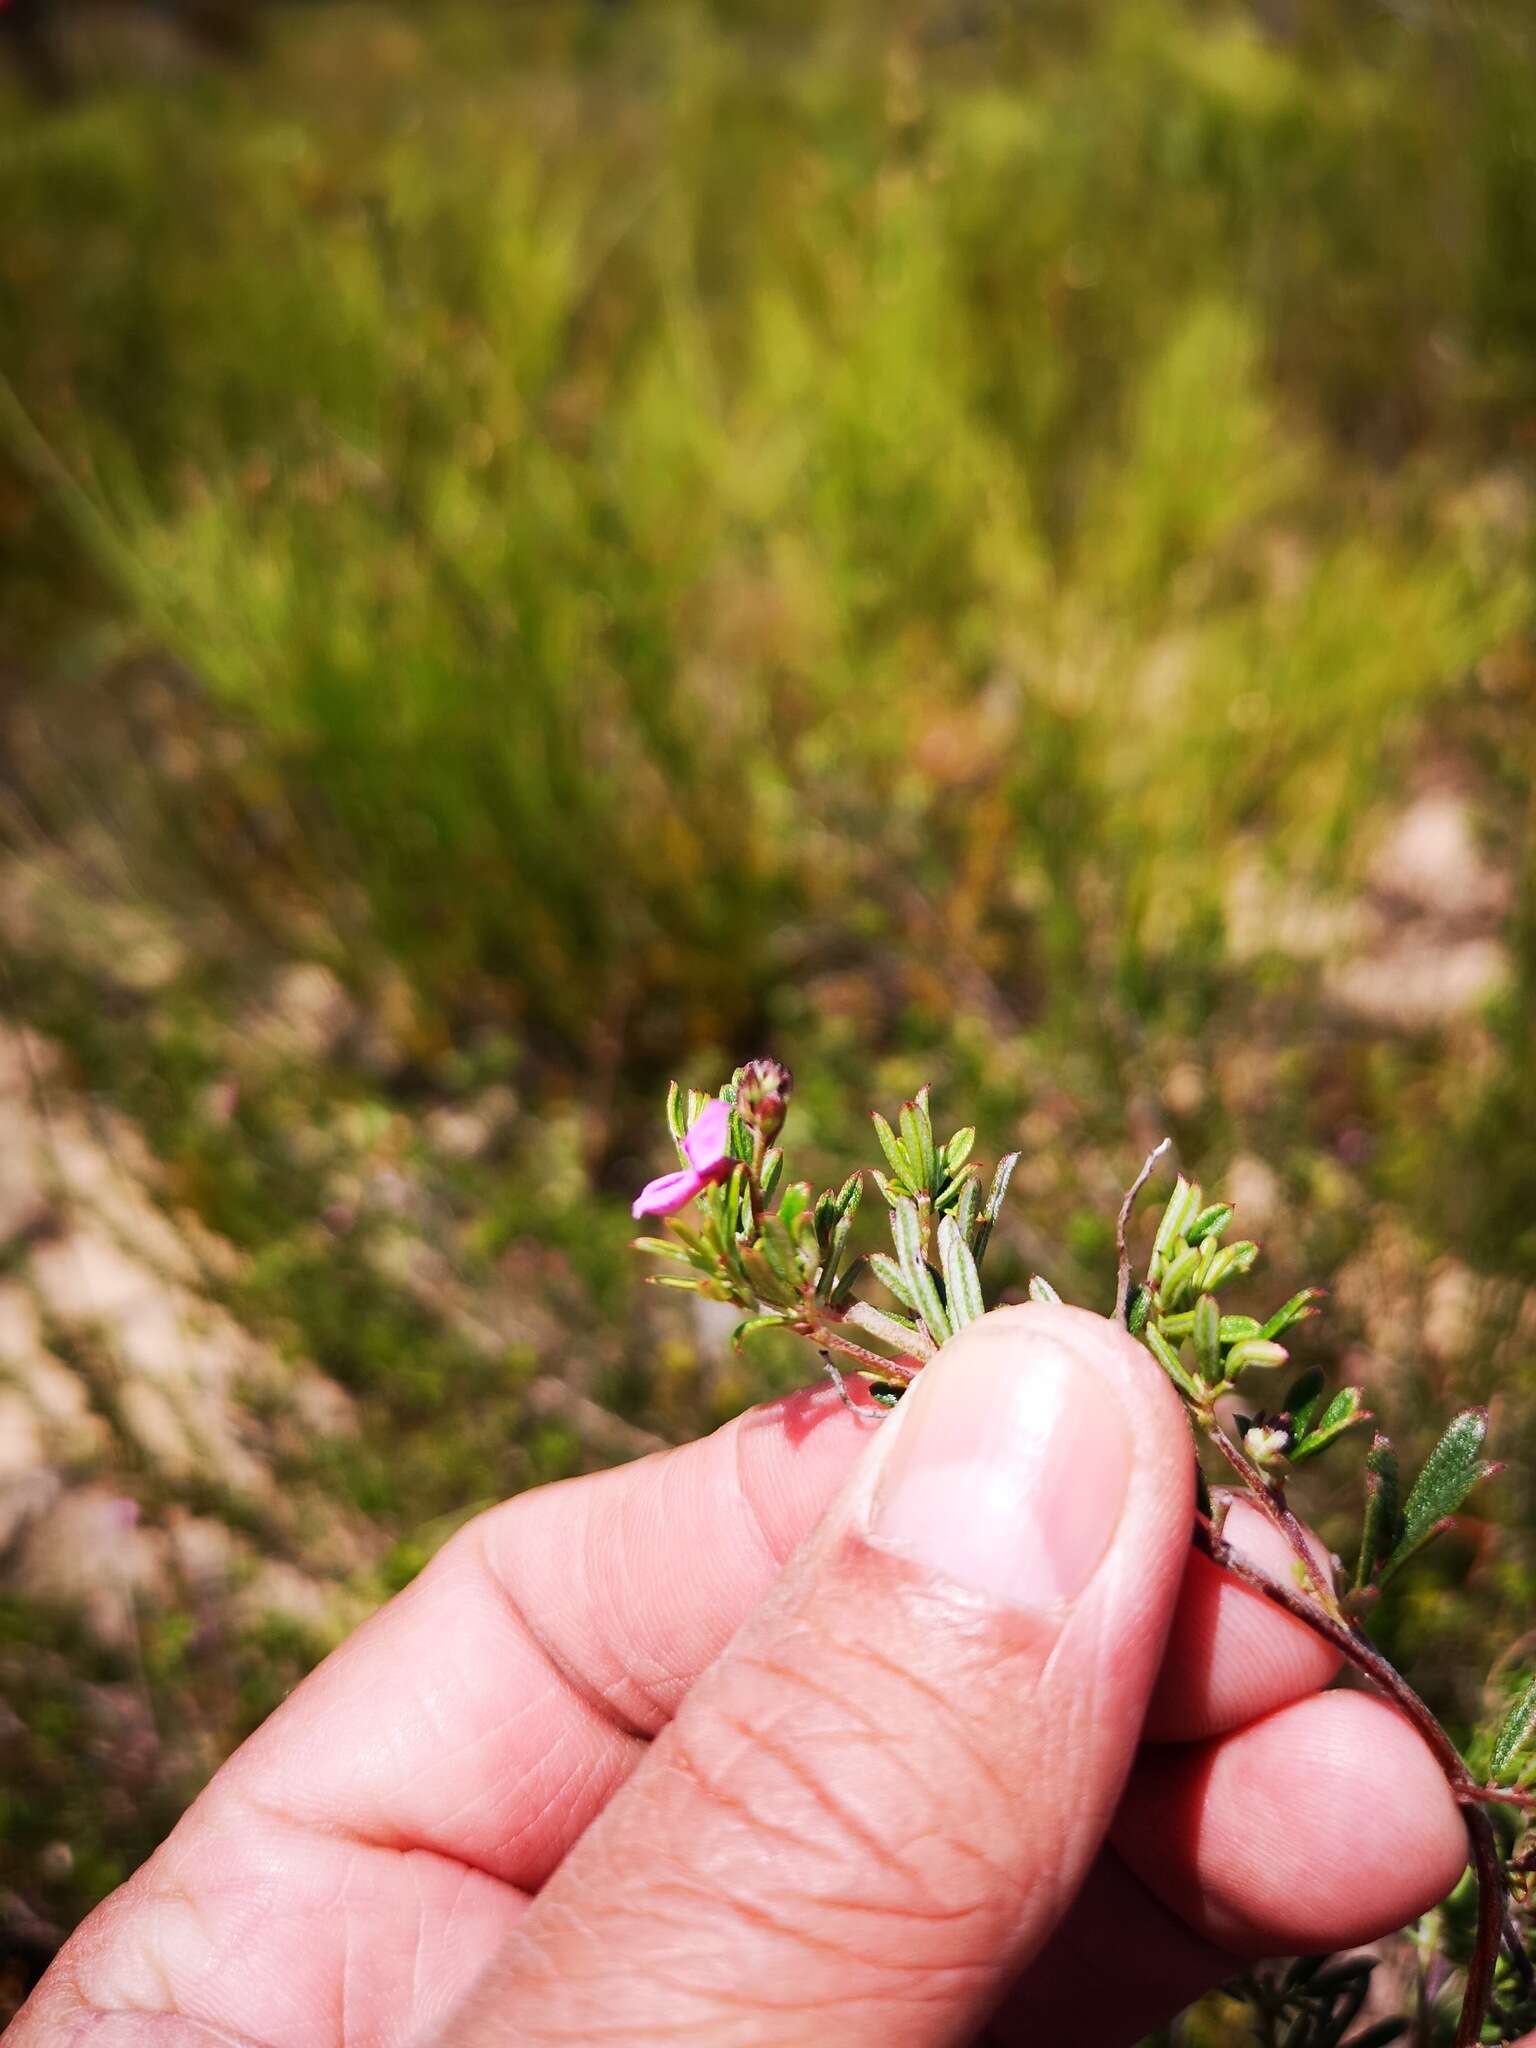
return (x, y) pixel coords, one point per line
(1009, 1468)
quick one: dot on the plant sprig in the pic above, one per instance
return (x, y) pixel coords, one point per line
(784, 1254)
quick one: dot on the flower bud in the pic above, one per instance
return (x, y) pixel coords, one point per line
(763, 1090)
(1267, 1443)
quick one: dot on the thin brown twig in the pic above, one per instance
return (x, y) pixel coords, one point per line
(1123, 1224)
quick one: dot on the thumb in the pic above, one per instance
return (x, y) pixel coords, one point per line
(871, 1812)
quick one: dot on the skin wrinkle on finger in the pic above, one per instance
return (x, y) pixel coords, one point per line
(995, 1729)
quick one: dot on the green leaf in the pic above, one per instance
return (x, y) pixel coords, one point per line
(917, 1142)
(1042, 1290)
(891, 1146)
(967, 1200)
(1229, 1261)
(1209, 1223)
(1343, 1412)
(661, 1248)
(1515, 1732)
(907, 1230)
(1296, 1310)
(1180, 1210)
(1450, 1472)
(889, 1274)
(773, 1166)
(826, 1278)
(958, 1150)
(1179, 1276)
(1382, 1520)
(1206, 1337)
(741, 1140)
(1303, 1399)
(1235, 1328)
(962, 1282)
(751, 1327)
(994, 1203)
(889, 1192)
(1137, 1310)
(850, 1194)
(677, 1119)
(768, 1275)
(1168, 1359)
(1254, 1352)
(902, 1336)
(796, 1200)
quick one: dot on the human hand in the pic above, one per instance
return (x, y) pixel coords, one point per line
(807, 1732)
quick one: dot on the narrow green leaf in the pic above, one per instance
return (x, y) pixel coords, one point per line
(1171, 1224)
(994, 1203)
(1254, 1352)
(1303, 1400)
(1515, 1732)
(741, 1140)
(773, 1167)
(1137, 1310)
(751, 1327)
(907, 1230)
(1042, 1290)
(1235, 1328)
(1450, 1472)
(1231, 1260)
(677, 1121)
(850, 1194)
(958, 1150)
(893, 1149)
(1382, 1521)
(826, 1278)
(677, 1280)
(888, 1189)
(903, 1337)
(1210, 1222)
(778, 1248)
(1344, 1411)
(917, 1143)
(1206, 1337)
(795, 1201)
(889, 1274)
(1179, 1274)
(1168, 1359)
(768, 1274)
(967, 1201)
(661, 1248)
(962, 1282)
(1296, 1310)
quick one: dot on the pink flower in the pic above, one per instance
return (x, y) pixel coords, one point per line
(708, 1151)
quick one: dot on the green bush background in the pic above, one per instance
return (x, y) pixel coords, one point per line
(676, 531)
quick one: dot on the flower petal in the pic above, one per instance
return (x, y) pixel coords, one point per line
(708, 1143)
(668, 1194)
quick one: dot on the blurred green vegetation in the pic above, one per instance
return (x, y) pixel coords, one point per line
(936, 545)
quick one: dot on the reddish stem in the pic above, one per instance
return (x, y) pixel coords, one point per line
(1368, 1660)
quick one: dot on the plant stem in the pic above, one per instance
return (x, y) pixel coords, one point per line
(1368, 1660)
(1271, 1501)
